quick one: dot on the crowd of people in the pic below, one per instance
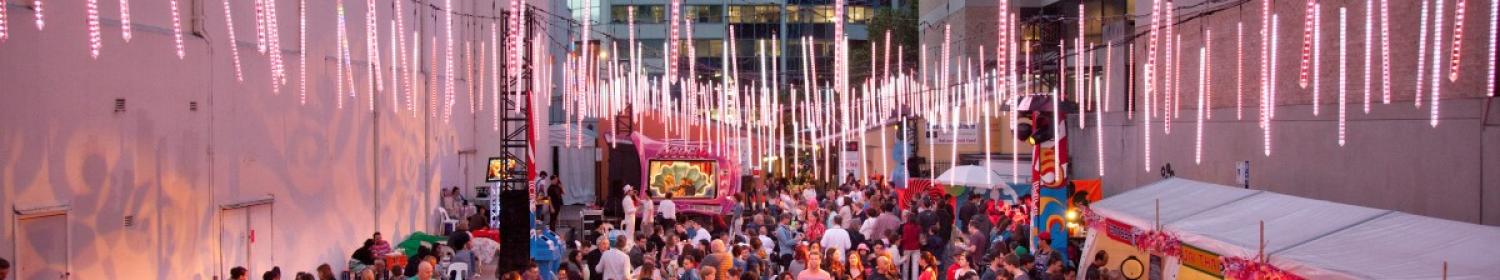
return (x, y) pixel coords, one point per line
(778, 230)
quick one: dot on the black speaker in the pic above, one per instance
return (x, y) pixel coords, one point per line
(515, 231)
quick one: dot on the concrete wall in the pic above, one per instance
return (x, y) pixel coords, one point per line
(1393, 157)
(336, 175)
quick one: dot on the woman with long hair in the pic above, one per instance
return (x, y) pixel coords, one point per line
(929, 267)
(834, 266)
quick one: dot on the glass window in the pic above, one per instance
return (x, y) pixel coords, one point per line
(705, 13)
(645, 14)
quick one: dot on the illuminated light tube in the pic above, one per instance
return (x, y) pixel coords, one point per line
(1494, 14)
(1385, 52)
(1318, 61)
(495, 72)
(1202, 96)
(448, 61)
(1369, 36)
(95, 38)
(1458, 39)
(1270, 90)
(1437, 52)
(338, 92)
(1239, 70)
(40, 21)
(1308, 26)
(260, 26)
(124, 19)
(1208, 78)
(302, 48)
(176, 27)
(1343, 71)
(372, 49)
(4, 26)
(1421, 55)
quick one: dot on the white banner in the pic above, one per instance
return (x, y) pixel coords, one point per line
(967, 134)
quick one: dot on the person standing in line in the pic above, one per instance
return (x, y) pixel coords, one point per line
(614, 264)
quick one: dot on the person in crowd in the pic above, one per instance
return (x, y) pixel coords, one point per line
(555, 198)
(416, 259)
(236, 273)
(960, 266)
(1097, 268)
(814, 270)
(381, 247)
(453, 202)
(668, 211)
(325, 272)
(628, 204)
(614, 264)
(697, 232)
(363, 257)
(719, 258)
(929, 267)
(273, 274)
(368, 274)
(708, 273)
(836, 237)
(648, 209)
(304, 276)
(423, 272)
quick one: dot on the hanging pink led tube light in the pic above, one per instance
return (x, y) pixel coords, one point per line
(1308, 26)
(176, 27)
(95, 38)
(1458, 40)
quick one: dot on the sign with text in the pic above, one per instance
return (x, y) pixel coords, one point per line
(966, 134)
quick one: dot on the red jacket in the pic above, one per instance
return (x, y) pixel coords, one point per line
(911, 236)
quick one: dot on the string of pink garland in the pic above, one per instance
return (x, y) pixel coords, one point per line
(1242, 268)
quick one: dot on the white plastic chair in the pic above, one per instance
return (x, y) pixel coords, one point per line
(448, 224)
(457, 271)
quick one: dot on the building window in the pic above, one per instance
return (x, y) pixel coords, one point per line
(705, 13)
(644, 14)
(754, 14)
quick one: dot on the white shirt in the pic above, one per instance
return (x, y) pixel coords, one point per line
(668, 209)
(629, 204)
(700, 235)
(836, 237)
(868, 228)
(767, 245)
(615, 265)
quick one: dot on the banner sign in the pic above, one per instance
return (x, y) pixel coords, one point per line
(942, 134)
(1201, 260)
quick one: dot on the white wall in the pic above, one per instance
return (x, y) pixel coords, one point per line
(337, 175)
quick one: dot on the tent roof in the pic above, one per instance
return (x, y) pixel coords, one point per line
(1312, 238)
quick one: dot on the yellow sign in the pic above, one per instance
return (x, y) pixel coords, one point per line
(1201, 260)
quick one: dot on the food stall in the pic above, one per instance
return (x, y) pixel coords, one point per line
(701, 176)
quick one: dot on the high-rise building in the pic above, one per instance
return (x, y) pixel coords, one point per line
(779, 24)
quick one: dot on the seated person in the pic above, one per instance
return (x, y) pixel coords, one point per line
(362, 257)
(381, 247)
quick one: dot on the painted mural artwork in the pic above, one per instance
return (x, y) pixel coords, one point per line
(684, 179)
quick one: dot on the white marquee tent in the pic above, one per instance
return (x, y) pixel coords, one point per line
(1314, 239)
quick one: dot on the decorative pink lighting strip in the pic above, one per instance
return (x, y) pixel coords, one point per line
(40, 21)
(1458, 39)
(302, 48)
(1437, 51)
(95, 38)
(124, 19)
(1202, 97)
(1385, 52)
(176, 27)
(1494, 15)
(1369, 43)
(1308, 26)
(1343, 71)
(1421, 55)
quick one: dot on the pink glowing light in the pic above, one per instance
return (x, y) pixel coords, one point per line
(1437, 51)
(40, 21)
(1208, 94)
(1150, 69)
(1307, 39)
(1421, 55)
(1494, 15)
(448, 60)
(4, 26)
(1385, 52)
(1343, 71)
(176, 27)
(302, 48)
(95, 38)
(260, 25)
(1318, 60)
(372, 50)
(1458, 39)
(124, 19)
(1202, 97)
(1239, 70)
(495, 72)
(338, 93)
(1369, 37)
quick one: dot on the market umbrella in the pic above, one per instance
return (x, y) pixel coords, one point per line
(977, 177)
(972, 176)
